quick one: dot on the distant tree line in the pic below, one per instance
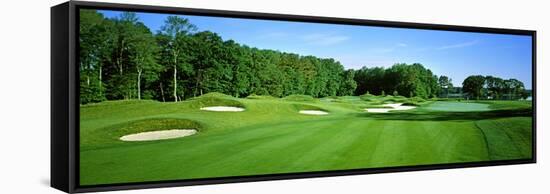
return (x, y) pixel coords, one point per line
(478, 86)
(120, 58)
(400, 79)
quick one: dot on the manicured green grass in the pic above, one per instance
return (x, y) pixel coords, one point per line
(458, 106)
(270, 137)
(509, 104)
(500, 132)
(300, 98)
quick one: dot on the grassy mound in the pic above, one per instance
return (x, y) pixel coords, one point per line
(341, 99)
(417, 99)
(259, 97)
(108, 136)
(372, 99)
(380, 100)
(410, 103)
(414, 101)
(299, 107)
(214, 95)
(215, 99)
(368, 97)
(118, 102)
(394, 99)
(147, 125)
(348, 98)
(383, 99)
(300, 98)
(375, 106)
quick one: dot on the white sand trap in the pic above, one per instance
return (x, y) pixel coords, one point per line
(223, 109)
(395, 106)
(379, 110)
(399, 106)
(159, 135)
(313, 112)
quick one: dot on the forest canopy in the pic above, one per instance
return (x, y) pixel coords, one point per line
(121, 58)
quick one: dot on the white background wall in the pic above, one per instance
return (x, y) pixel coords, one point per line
(25, 79)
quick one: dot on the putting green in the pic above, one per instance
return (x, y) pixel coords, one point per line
(272, 137)
(457, 106)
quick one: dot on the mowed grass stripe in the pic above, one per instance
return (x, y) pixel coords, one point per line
(329, 153)
(426, 142)
(508, 138)
(360, 152)
(278, 155)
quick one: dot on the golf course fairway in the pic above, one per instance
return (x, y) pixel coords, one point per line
(270, 136)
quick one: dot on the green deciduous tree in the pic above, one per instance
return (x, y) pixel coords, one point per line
(95, 40)
(473, 85)
(445, 83)
(143, 49)
(495, 86)
(412, 80)
(348, 85)
(174, 38)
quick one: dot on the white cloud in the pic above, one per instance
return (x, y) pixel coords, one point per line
(324, 39)
(458, 45)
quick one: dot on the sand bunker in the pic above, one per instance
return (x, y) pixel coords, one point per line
(223, 109)
(379, 110)
(159, 135)
(313, 112)
(396, 106)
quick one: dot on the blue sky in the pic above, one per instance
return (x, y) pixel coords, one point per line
(455, 54)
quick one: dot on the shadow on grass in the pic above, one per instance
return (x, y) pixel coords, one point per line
(448, 116)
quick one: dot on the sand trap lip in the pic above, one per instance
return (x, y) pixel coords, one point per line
(159, 135)
(395, 106)
(313, 112)
(223, 109)
(379, 110)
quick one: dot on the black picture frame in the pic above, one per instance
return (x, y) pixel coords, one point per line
(65, 90)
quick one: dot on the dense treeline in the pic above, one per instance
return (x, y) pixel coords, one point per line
(121, 58)
(400, 79)
(478, 86)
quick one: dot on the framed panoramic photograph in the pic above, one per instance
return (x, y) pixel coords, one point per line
(146, 96)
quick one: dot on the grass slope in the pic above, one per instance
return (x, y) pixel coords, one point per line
(270, 136)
